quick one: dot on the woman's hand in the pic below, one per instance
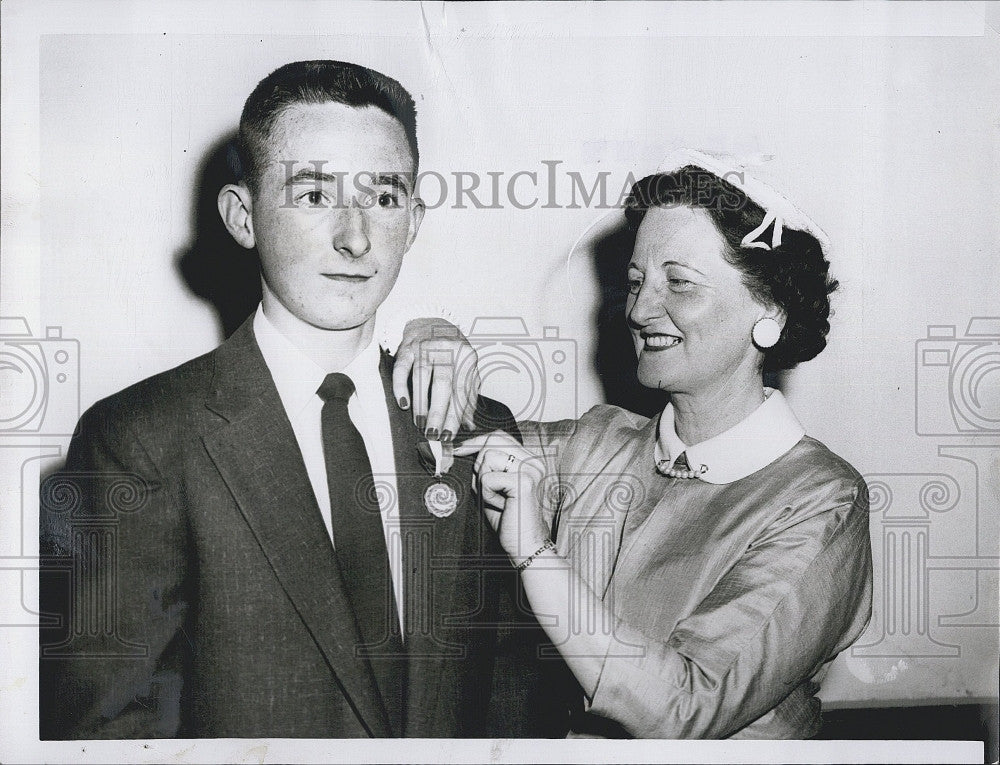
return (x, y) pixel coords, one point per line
(445, 373)
(509, 478)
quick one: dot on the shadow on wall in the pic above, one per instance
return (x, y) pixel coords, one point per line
(214, 266)
(614, 359)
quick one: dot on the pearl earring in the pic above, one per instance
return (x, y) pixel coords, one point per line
(766, 332)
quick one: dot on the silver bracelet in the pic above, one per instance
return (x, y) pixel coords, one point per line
(549, 545)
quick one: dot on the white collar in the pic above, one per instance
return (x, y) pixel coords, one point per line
(297, 377)
(763, 436)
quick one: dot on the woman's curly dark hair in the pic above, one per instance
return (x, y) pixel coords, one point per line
(795, 276)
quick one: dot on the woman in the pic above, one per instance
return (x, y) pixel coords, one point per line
(696, 570)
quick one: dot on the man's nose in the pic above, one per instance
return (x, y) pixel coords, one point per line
(351, 237)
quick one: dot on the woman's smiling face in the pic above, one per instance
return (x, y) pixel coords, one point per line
(690, 315)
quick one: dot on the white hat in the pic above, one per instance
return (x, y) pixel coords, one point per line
(778, 210)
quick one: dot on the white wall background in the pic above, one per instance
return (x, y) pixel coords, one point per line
(886, 132)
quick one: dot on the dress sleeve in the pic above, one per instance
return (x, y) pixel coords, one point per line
(563, 445)
(798, 596)
(547, 437)
(560, 442)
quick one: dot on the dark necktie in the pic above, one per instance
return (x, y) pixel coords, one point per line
(360, 545)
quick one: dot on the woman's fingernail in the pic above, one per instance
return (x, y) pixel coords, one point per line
(446, 435)
(404, 403)
(432, 434)
(420, 421)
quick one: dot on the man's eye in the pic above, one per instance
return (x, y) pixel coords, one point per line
(634, 285)
(313, 198)
(680, 285)
(388, 199)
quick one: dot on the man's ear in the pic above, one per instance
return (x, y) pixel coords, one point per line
(236, 208)
(417, 211)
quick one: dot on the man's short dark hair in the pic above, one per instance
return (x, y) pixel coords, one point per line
(316, 82)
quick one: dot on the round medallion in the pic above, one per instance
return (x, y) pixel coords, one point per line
(441, 500)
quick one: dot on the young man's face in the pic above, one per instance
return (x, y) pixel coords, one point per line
(334, 213)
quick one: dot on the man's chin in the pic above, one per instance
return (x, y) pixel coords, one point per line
(338, 320)
(341, 325)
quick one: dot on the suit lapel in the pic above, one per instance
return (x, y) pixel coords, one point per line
(258, 457)
(428, 545)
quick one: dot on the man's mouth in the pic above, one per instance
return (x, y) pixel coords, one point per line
(659, 342)
(350, 278)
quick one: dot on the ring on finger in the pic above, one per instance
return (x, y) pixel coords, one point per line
(511, 459)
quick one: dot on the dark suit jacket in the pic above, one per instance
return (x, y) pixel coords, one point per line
(190, 587)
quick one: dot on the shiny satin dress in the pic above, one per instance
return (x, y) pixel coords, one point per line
(731, 591)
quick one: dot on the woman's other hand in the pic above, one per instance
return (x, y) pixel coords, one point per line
(445, 371)
(509, 478)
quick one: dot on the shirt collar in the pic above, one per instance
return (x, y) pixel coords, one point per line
(763, 436)
(297, 377)
(364, 373)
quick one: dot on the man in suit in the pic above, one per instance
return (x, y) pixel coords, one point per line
(249, 545)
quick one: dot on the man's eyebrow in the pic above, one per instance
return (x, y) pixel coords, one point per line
(314, 176)
(396, 180)
(307, 175)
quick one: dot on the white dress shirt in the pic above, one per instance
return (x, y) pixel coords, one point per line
(297, 378)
